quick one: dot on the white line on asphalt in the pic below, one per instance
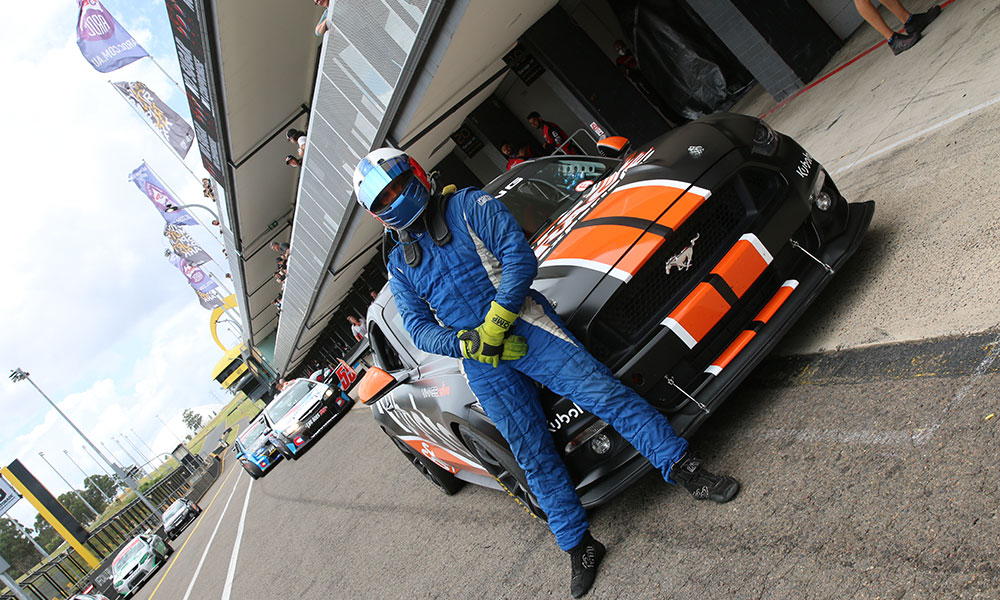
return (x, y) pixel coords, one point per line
(910, 138)
(216, 530)
(228, 589)
(843, 437)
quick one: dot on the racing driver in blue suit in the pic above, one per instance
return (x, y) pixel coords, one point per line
(461, 276)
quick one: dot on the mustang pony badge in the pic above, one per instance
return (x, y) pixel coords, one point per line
(682, 260)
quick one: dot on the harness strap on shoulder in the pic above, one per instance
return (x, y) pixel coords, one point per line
(411, 249)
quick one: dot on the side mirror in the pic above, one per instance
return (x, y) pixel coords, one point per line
(375, 384)
(615, 146)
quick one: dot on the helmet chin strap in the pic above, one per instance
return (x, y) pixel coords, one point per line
(432, 221)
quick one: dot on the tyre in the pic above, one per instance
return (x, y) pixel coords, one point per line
(252, 470)
(442, 479)
(170, 550)
(500, 463)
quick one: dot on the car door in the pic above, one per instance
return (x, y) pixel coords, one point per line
(432, 398)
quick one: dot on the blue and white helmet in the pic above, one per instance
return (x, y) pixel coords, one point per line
(392, 187)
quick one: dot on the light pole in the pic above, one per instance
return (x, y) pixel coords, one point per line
(90, 456)
(130, 457)
(134, 447)
(179, 440)
(21, 375)
(85, 476)
(74, 490)
(28, 535)
(142, 441)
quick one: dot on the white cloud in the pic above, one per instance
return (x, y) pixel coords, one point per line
(106, 326)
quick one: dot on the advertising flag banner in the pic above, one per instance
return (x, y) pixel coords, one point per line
(103, 42)
(147, 182)
(185, 246)
(200, 282)
(170, 125)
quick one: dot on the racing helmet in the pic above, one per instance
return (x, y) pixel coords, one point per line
(392, 187)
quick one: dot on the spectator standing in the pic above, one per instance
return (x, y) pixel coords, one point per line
(358, 329)
(913, 24)
(322, 26)
(298, 138)
(553, 134)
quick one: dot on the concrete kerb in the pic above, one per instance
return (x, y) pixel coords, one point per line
(918, 134)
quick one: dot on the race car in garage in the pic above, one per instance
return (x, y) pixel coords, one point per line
(301, 413)
(254, 450)
(679, 266)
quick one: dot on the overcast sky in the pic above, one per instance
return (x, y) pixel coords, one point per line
(92, 309)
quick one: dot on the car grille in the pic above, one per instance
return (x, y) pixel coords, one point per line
(642, 302)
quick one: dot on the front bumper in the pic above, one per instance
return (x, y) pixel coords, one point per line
(292, 444)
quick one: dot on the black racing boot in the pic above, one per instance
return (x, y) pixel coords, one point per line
(702, 484)
(584, 560)
(918, 21)
(901, 42)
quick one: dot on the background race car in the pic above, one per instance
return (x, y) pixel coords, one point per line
(137, 562)
(679, 267)
(301, 413)
(254, 449)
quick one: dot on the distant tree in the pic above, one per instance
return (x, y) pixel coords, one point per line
(109, 484)
(192, 420)
(45, 535)
(17, 549)
(76, 507)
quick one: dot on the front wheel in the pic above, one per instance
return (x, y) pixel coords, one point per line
(252, 470)
(442, 479)
(500, 463)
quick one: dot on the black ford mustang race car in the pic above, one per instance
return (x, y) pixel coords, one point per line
(679, 267)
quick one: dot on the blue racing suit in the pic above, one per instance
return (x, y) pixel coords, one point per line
(451, 289)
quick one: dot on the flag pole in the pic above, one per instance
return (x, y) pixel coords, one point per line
(194, 216)
(155, 132)
(167, 75)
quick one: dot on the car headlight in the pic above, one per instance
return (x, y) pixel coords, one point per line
(292, 429)
(765, 140)
(328, 393)
(590, 434)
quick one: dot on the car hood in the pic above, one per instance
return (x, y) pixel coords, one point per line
(614, 228)
(303, 407)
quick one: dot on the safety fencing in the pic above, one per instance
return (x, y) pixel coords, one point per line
(67, 573)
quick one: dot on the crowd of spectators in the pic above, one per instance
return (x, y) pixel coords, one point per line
(281, 272)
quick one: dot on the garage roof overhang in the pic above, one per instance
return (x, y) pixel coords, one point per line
(264, 60)
(457, 51)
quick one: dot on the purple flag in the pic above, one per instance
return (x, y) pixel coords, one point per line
(185, 246)
(146, 181)
(200, 282)
(103, 42)
(163, 119)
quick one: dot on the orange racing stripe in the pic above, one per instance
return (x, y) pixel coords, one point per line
(743, 264)
(744, 338)
(697, 314)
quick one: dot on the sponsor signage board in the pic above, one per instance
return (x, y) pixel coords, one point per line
(8, 497)
(185, 22)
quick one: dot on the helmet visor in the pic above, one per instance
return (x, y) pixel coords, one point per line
(377, 177)
(390, 193)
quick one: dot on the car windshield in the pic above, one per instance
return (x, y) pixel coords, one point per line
(289, 398)
(129, 555)
(174, 509)
(541, 190)
(255, 431)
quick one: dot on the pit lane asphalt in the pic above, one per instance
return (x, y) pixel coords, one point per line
(868, 473)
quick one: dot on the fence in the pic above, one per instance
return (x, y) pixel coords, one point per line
(68, 574)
